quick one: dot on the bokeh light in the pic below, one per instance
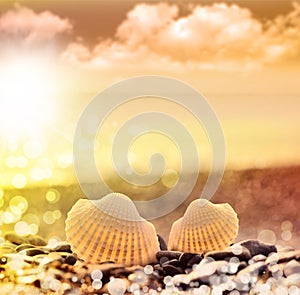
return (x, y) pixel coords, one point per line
(48, 217)
(53, 241)
(267, 236)
(19, 181)
(19, 202)
(22, 228)
(52, 196)
(286, 225)
(32, 149)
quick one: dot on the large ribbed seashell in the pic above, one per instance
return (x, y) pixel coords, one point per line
(111, 229)
(204, 226)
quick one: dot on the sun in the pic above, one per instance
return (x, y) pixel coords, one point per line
(25, 95)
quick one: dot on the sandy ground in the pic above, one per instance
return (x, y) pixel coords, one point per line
(263, 199)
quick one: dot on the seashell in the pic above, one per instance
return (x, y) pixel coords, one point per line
(111, 229)
(204, 226)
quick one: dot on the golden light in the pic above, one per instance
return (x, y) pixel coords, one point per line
(25, 94)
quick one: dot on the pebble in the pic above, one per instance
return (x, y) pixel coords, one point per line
(24, 247)
(173, 262)
(169, 255)
(32, 251)
(162, 244)
(215, 272)
(70, 259)
(283, 257)
(259, 257)
(185, 257)
(194, 260)
(63, 247)
(171, 270)
(227, 254)
(29, 239)
(256, 247)
(291, 267)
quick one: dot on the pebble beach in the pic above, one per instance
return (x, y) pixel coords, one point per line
(29, 266)
(262, 260)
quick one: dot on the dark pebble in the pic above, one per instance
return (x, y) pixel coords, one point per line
(227, 254)
(242, 265)
(202, 279)
(63, 254)
(71, 259)
(162, 243)
(255, 247)
(185, 257)
(63, 247)
(168, 254)
(173, 262)
(159, 269)
(171, 270)
(36, 283)
(33, 251)
(107, 262)
(194, 260)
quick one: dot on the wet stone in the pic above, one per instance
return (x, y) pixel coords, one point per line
(30, 239)
(33, 251)
(291, 267)
(24, 247)
(159, 269)
(283, 257)
(227, 254)
(70, 259)
(14, 238)
(63, 247)
(242, 265)
(259, 257)
(162, 243)
(194, 260)
(185, 257)
(285, 249)
(173, 262)
(171, 270)
(169, 255)
(35, 240)
(293, 280)
(255, 247)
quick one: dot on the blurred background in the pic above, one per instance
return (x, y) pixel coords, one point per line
(243, 56)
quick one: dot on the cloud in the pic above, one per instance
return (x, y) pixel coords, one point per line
(23, 27)
(218, 36)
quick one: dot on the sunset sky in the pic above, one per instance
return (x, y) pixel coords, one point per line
(55, 56)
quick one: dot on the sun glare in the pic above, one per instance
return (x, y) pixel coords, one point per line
(25, 94)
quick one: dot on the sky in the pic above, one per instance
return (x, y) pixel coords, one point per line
(55, 56)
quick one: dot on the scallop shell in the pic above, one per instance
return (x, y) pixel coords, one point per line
(204, 226)
(111, 229)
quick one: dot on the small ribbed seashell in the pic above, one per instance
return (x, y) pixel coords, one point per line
(111, 229)
(204, 226)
